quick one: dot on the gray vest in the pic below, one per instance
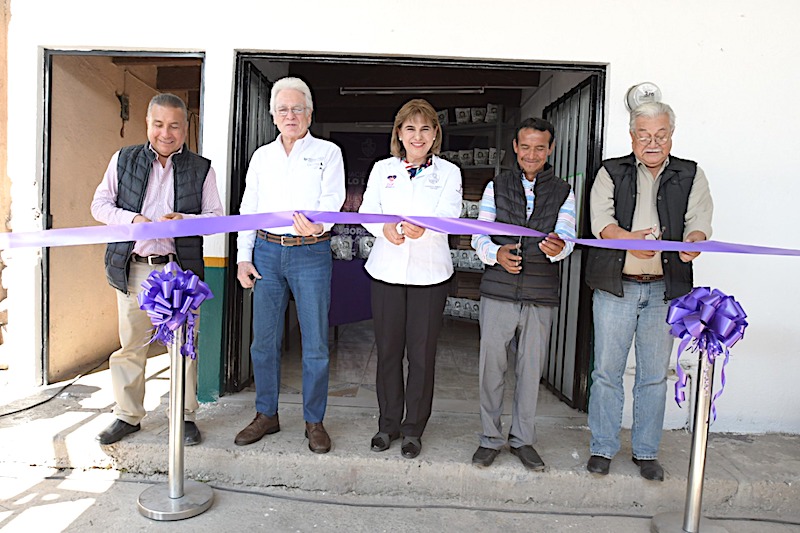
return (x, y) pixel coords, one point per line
(133, 171)
(538, 282)
(604, 267)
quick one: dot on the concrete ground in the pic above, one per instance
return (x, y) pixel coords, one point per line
(55, 477)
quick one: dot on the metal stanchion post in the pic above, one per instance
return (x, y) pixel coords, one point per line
(692, 519)
(179, 498)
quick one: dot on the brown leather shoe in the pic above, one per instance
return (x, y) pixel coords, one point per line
(318, 439)
(255, 431)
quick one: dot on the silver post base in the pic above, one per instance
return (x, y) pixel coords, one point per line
(673, 523)
(156, 504)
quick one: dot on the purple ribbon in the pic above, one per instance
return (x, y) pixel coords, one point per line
(171, 298)
(709, 321)
(227, 224)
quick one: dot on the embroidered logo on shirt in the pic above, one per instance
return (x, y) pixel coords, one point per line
(390, 183)
(314, 162)
(432, 181)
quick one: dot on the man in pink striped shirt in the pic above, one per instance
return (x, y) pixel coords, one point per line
(156, 181)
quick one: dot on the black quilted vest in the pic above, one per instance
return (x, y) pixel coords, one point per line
(133, 171)
(538, 282)
(604, 267)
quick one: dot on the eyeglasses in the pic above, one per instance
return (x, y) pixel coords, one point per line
(297, 110)
(660, 140)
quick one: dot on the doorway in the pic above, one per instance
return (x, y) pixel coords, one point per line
(95, 103)
(357, 97)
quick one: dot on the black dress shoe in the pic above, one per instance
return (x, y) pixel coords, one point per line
(116, 431)
(529, 458)
(411, 447)
(598, 465)
(191, 434)
(650, 469)
(484, 456)
(381, 441)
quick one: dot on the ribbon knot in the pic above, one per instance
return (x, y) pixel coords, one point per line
(171, 298)
(709, 321)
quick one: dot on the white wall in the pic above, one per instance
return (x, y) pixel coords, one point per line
(720, 63)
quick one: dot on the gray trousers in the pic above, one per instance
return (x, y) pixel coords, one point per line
(501, 322)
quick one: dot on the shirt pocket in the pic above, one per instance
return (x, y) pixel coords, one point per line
(306, 177)
(312, 167)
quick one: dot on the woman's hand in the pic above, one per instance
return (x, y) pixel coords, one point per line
(392, 235)
(412, 231)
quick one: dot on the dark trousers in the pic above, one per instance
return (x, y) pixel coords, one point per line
(407, 320)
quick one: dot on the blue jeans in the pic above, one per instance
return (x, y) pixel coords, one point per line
(306, 271)
(642, 312)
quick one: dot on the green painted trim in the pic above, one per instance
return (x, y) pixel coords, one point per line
(210, 359)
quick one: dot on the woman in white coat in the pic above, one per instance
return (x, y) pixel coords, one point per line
(411, 269)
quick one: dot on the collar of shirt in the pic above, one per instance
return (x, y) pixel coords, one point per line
(526, 183)
(178, 151)
(640, 165)
(414, 170)
(298, 144)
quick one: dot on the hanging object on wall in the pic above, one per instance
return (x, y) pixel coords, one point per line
(642, 93)
(124, 103)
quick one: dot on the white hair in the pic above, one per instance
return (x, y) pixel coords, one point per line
(652, 110)
(290, 83)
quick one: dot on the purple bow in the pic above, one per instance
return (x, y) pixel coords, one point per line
(709, 321)
(171, 298)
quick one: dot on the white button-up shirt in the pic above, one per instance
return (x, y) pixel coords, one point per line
(310, 177)
(435, 191)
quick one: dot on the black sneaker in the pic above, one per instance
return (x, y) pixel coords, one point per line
(650, 469)
(484, 456)
(529, 458)
(598, 465)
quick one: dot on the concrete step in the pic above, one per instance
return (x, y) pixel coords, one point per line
(744, 473)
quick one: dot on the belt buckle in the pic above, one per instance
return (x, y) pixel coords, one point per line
(283, 240)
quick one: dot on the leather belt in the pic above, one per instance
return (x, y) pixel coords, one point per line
(152, 259)
(292, 240)
(643, 278)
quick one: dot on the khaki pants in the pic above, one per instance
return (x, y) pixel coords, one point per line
(127, 364)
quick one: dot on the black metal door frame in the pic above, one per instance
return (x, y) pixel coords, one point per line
(575, 312)
(252, 126)
(234, 317)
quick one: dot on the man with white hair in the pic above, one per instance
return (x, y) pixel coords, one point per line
(649, 194)
(295, 172)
